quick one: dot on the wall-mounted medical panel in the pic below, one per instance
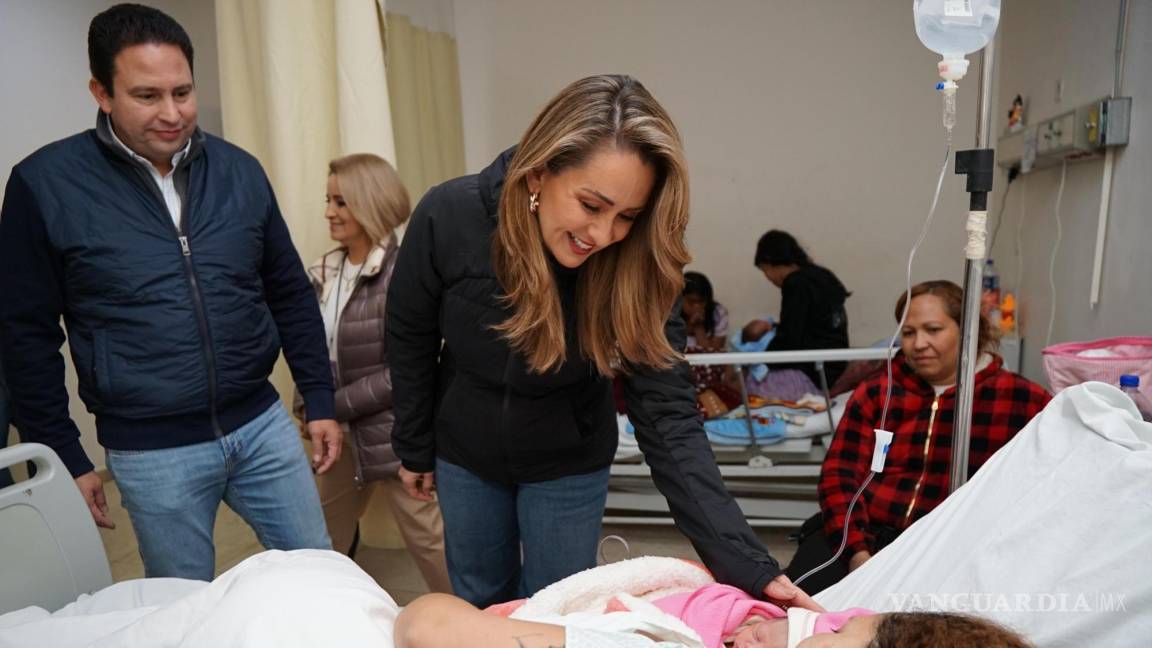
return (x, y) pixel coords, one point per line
(1082, 133)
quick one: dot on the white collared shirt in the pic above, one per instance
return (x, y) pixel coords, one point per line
(166, 183)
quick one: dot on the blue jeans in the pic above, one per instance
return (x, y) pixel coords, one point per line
(260, 470)
(508, 541)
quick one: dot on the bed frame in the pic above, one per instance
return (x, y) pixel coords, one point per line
(50, 550)
(775, 485)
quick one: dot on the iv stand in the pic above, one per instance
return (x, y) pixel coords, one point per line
(978, 165)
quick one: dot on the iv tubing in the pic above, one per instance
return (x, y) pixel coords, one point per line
(891, 353)
(908, 281)
(843, 536)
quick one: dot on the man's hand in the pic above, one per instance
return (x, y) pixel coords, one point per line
(418, 485)
(782, 592)
(857, 559)
(327, 439)
(92, 489)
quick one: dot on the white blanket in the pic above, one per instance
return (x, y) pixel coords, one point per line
(297, 599)
(1050, 537)
(276, 599)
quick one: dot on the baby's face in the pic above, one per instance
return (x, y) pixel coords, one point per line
(856, 633)
(771, 633)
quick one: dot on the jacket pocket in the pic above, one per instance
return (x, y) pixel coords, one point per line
(100, 365)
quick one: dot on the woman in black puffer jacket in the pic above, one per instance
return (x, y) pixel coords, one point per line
(518, 294)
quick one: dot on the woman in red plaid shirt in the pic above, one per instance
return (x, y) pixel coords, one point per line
(916, 475)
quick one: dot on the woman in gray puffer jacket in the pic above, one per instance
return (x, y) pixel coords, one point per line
(366, 203)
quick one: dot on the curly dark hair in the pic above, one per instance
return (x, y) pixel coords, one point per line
(943, 630)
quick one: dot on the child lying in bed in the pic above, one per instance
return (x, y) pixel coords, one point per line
(666, 602)
(309, 598)
(441, 621)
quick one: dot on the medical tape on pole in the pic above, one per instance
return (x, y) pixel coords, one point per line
(977, 247)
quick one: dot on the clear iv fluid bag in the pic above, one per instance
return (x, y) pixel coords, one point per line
(953, 28)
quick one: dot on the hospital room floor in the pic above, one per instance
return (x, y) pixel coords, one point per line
(392, 568)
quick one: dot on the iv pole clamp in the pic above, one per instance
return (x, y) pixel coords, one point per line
(978, 165)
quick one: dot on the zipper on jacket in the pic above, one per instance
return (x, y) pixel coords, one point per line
(927, 447)
(194, 286)
(359, 475)
(201, 322)
(507, 396)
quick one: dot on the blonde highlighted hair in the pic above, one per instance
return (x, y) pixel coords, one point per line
(373, 192)
(626, 292)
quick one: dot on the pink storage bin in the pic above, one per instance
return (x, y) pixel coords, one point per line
(1072, 363)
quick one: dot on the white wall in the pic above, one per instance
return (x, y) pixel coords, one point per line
(1043, 41)
(816, 117)
(44, 71)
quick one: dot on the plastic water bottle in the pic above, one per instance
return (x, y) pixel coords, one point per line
(990, 295)
(952, 29)
(1130, 385)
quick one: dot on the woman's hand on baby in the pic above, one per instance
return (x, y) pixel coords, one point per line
(417, 484)
(782, 592)
(857, 559)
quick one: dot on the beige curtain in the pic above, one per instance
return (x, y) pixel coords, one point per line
(302, 82)
(424, 90)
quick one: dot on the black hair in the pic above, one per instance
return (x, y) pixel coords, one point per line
(696, 284)
(124, 26)
(778, 248)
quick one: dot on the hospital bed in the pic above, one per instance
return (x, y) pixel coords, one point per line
(50, 550)
(1049, 537)
(774, 483)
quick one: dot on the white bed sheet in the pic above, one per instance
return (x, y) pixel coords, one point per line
(1050, 537)
(92, 616)
(276, 599)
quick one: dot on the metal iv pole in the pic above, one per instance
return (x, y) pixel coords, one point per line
(978, 166)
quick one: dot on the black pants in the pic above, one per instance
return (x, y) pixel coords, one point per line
(815, 549)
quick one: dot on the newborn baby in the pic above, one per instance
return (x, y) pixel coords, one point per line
(804, 629)
(724, 615)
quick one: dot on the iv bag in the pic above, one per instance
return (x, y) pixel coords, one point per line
(953, 28)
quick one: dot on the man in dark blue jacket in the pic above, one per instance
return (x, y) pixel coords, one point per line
(164, 250)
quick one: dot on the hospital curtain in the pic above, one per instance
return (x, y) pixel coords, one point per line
(424, 90)
(302, 82)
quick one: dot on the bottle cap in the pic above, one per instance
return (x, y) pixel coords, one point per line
(1128, 380)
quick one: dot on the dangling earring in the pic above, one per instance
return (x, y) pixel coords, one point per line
(534, 203)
